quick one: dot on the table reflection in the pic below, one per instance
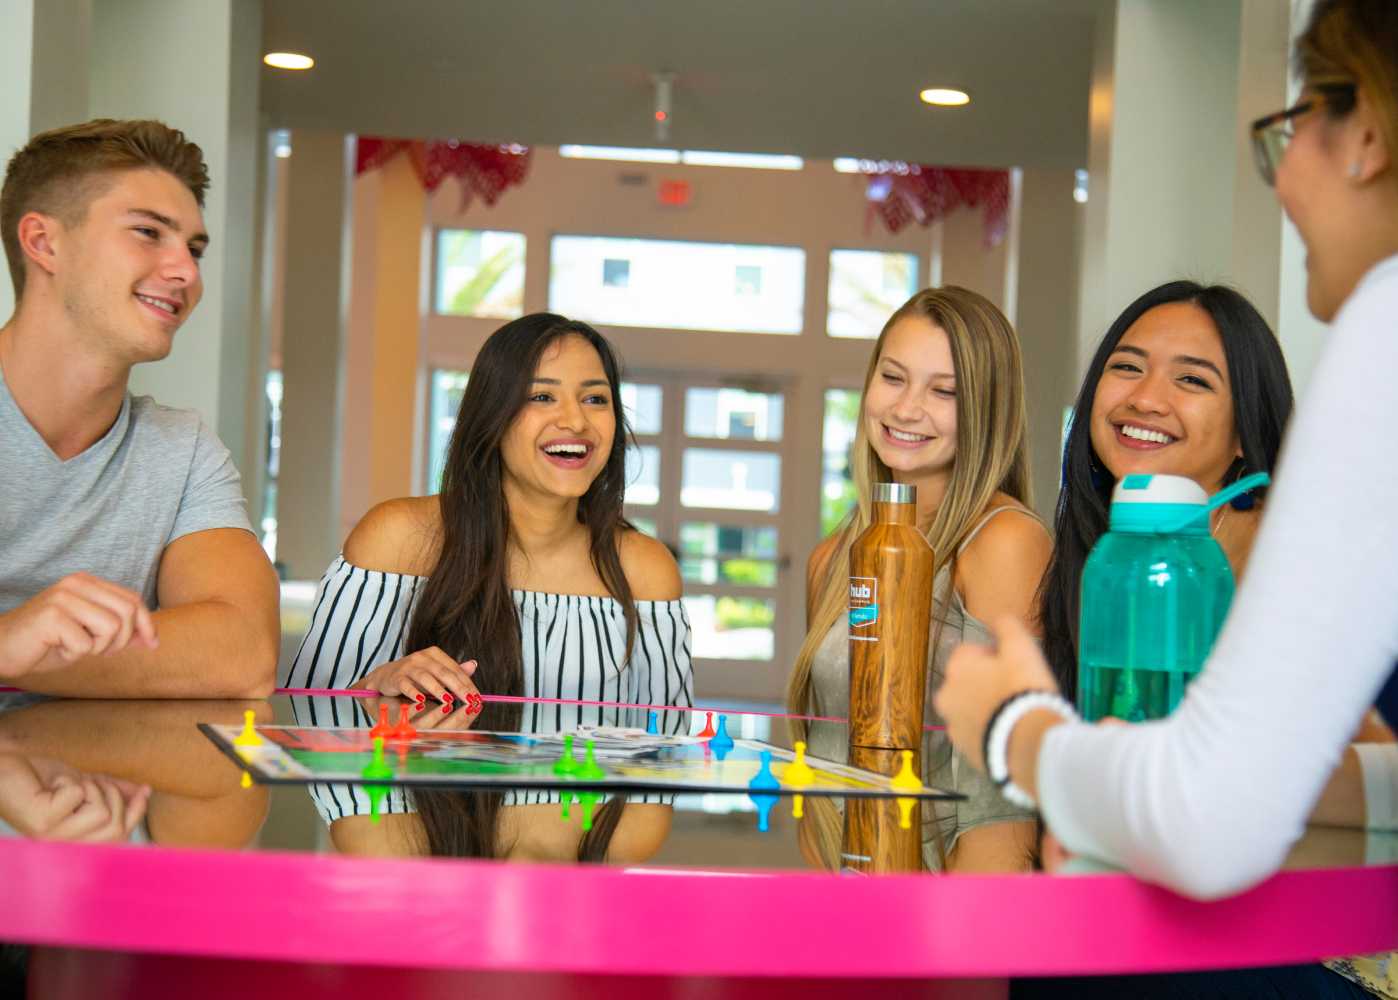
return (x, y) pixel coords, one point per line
(195, 798)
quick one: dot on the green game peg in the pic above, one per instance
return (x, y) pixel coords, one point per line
(588, 800)
(589, 769)
(377, 769)
(566, 764)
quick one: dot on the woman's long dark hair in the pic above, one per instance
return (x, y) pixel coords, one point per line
(1262, 402)
(465, 606)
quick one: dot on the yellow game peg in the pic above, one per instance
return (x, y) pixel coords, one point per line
(247, 780)
(906, 780)
(248, 737)
(798, 774)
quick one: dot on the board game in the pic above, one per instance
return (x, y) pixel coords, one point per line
(588, 758)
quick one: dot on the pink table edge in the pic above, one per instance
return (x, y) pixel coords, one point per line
(447, 914)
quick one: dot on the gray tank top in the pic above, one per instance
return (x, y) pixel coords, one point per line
(942, 767)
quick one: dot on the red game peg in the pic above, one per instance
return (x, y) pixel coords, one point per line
(404, 730)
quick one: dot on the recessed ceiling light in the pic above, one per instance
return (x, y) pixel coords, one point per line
(288, 60)
(945, 98)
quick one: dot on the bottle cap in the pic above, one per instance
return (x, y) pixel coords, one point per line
(895, 493)
(1159, 505)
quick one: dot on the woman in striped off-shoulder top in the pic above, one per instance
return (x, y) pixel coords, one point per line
(520, 578)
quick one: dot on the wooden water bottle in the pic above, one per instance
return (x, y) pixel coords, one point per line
(890, 608)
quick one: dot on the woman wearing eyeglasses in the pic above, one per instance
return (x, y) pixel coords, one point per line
(1208, 801)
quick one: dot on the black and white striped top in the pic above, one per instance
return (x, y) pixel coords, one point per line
(573, 647)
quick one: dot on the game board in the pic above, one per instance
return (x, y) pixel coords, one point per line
(606, 759)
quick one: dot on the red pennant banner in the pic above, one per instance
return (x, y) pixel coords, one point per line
(484, 171)
(914, 192)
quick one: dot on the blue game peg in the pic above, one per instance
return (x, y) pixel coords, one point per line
(721, 742)
(651, 728)
(759, 788)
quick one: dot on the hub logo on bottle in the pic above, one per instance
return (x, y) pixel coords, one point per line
(863, 608)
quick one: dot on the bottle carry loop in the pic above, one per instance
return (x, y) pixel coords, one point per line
(1218, 500)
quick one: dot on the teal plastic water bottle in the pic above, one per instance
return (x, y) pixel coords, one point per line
(1155, 590)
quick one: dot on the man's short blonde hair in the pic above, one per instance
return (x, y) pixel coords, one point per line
(61, 171)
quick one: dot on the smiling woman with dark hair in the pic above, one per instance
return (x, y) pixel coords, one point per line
(520, 578)
(1209, 800)
(1189, 381)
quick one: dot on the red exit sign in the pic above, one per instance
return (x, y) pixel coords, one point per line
(675, 193)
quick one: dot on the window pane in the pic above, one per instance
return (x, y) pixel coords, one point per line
(642, 406)
(644, 525)
(445, 401)
(731, 480)
(704, 538)
(273, 389)
(836, 486)
(733, 414)
(480, 273)
(866, 287)
(732, 628)
(734, 554)
(684, 286)
(643, 475)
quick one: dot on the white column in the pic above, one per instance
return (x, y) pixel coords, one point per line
(1174, 192)
(1301, 334)
(309, 305)
(1046, 290)
(195, 67)
(43, 77)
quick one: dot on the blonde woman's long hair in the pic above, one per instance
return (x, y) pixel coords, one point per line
(991, 457)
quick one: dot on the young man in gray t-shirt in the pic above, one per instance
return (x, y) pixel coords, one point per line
(127, 565)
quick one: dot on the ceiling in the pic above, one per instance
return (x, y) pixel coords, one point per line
(818, 78)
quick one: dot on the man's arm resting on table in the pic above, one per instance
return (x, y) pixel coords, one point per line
(218, 628)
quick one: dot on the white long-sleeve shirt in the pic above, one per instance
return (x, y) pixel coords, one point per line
(1209, 800)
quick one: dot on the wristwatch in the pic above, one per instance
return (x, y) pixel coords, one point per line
(997, 738)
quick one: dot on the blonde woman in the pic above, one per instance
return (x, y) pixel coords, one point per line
(943, 410)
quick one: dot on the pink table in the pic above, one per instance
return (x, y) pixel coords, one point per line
(146, 921)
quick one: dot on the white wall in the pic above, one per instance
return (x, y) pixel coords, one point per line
(195, 66)
(44, 47)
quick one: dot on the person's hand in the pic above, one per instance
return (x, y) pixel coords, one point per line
(49, 800)
(429, 672)
(979, 679)
(453, 714)
(78, 616)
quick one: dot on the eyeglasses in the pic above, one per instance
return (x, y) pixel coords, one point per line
(1270, 135)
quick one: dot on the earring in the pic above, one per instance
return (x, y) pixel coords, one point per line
(1243, 501)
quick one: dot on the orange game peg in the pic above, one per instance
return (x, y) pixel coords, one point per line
(404, 730)
(708, 731)
(383, 728)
